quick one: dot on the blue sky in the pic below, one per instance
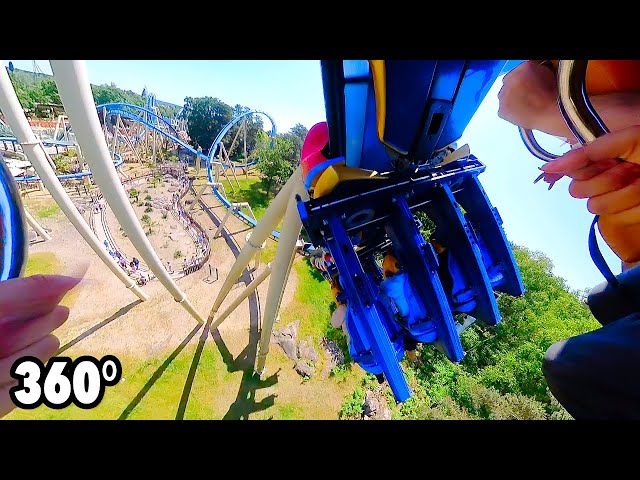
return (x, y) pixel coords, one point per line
(291, 91)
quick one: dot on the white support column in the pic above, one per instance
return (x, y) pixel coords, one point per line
(285, 254)
(223, 222)
(35, 151)
(73, 85)
(246, 161)
(154, 133)
(230, 163)
(36, 226)
(202, 190)
(247, 291)
(260, 233)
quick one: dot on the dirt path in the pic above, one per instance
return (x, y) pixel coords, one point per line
(108, 319)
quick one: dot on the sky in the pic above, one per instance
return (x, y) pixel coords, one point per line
(550, 221)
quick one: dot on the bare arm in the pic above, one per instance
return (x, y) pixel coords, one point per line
(529, 99)
(617, 110)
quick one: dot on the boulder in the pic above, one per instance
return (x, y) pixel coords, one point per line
(289, 347)
(304, 369)
(286, 338)
(375, 406)
(306, 351)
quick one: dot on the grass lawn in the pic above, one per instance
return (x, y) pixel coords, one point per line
(251, 190)
(47, 211)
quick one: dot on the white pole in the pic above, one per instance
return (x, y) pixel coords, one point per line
(73, 85)
(36, 226)
(153, 160)
(223, 222)
(270, 219)
(247, 291)
(35, 151)
(285, 254)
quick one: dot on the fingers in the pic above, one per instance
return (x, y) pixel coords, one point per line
(17, 334)
(616, 201)
(593, 169)
(569, 162)
(623, 144)
(24, 298)
(612, 179)
(43, 349)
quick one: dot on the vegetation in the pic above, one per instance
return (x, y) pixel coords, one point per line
(177, 254)
(63, 163)
(206, 118)
(273, 161)
(313, 306)
(501, 376)
(40, 89)
(47, 210)
(252, 190)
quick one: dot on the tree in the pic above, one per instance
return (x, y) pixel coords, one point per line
(205, 118)
(49, 92)
(296, 135)
(501, 374)
(273, 160)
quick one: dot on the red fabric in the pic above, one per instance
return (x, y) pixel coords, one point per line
(315, 141)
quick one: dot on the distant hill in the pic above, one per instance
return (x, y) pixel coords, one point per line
(35, 88)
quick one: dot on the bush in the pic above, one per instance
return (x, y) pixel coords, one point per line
(62, 163)
(352, 407)
(177, 254)
(148, 210)
(148, 197)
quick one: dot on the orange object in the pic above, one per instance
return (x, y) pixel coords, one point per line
(623, 240)
(390, 265)
(608, 76)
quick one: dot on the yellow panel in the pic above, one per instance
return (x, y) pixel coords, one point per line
(380, 88)
(338, 173)
(379, 74)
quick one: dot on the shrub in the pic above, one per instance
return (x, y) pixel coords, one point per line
(177, 254)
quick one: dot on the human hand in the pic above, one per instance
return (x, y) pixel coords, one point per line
(607, 172)
(528, 96)
(29, 312)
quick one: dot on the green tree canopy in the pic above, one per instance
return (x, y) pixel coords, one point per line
(296, 136)
(205, 118)
(273, 160)
(501, 375)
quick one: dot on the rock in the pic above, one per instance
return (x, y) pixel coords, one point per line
(289, 346)
(335, 356)
(306, 351)
(286, 338)
(385, 414)
(291, 329)
(375, 407)
(304, 369)
(371, 404)
(174, 237)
